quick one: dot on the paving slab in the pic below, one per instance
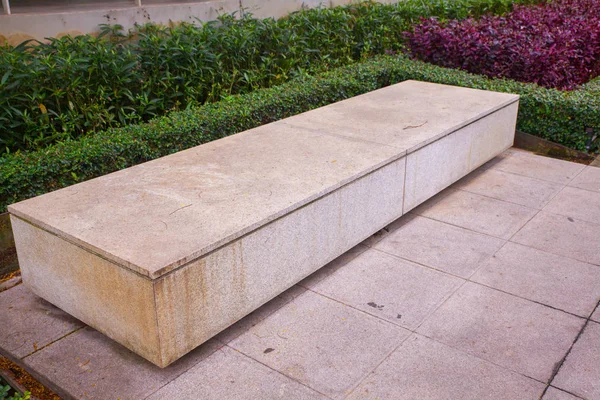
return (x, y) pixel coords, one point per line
(29, 323)
(259, 314)
(477, 213)
(387, 287)
(497, 184)
(557, 281)
(562, 235)
(425, 369)
(228, 374)
(316, 277)
(557, 394)
(580, 373)
(515, 333)
(576, 203)
(88, 365)
(321, 343)
(588, 179)
(527, 164)
(438, 245)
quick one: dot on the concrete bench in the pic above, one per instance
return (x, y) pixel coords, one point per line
(164, 255)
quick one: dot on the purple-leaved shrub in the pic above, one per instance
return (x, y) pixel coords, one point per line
(555, 44)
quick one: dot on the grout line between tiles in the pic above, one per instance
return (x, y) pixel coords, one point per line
(372, 370)
(426, 318)
(576, 176)
(527, 299)
(554, 253)
(499, 168)
(568, 216)
(217, 348)
(494, 198)
(530, 219)
(480, 358)
(428, 266)
(277, 371)
(584, 189)
(482, 264)
(462, 227)
(54, 341)
(458, 350)
(579, 173)
(561, 362)
(562, 390)
(483, 169)
(359, 310)
(285, 303)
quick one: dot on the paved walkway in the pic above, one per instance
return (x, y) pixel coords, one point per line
(489, 290)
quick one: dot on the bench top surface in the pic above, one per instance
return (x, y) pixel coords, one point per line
(159, 215)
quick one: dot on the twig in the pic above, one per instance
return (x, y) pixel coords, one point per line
(180, 208)
(413, 126)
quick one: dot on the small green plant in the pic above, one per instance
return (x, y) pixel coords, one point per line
(8, 393)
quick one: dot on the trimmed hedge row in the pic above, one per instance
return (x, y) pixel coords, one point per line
(73, 86)
(559, 116)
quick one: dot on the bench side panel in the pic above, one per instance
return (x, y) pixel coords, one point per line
(438, 165)
(201, 299)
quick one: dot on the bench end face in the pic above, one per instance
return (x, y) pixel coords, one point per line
(101, 294)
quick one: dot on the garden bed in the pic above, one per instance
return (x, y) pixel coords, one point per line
(70, 87)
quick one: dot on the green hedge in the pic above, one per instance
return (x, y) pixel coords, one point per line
(72, 86)
(555, 115)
